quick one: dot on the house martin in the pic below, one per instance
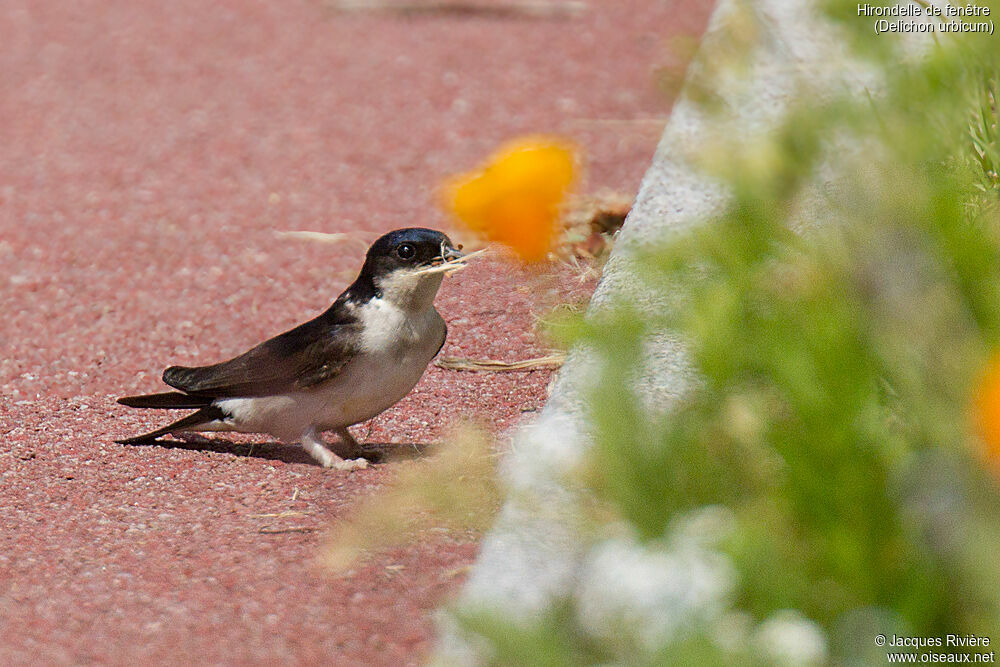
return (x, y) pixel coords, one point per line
(361, 356)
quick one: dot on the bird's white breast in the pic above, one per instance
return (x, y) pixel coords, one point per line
(396, 347)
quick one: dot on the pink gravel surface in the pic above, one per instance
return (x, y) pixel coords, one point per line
(151, 150)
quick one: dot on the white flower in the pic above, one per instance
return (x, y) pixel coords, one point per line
(789, 638)
(638, 593)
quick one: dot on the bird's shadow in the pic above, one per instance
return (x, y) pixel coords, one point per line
(375, 452)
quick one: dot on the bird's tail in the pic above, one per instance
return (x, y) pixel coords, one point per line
(168, 400)
(204, 415)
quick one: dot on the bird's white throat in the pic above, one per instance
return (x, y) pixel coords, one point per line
(410, 290)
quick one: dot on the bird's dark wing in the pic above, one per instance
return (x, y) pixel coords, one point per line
(298, 359)
(443, 338)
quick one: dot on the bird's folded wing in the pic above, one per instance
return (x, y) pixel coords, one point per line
(298, 359)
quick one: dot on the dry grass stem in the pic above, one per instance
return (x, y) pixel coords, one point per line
(499, 9)
(320, 237)
(267, 530)
(654, 122)
(452, 265)
(496, 366)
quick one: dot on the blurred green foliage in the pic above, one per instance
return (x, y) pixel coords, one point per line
(837, 369)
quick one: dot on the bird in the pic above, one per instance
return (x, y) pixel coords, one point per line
(345, 366)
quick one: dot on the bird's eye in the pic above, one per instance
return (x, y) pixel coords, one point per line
(406, 251)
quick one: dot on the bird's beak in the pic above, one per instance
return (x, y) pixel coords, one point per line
(450, 254)
(451, 259)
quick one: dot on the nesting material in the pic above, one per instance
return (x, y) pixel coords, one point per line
(450, 266)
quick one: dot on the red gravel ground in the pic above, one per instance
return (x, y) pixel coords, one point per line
(151, 150)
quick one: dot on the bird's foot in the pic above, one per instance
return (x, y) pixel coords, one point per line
(349, 447)
(313, 444)
(328, 459)
(192, 438)
(348, 464)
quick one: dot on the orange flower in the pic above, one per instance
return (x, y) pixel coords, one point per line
(515, 198)
(986, 408)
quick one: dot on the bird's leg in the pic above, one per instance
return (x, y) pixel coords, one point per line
(192, 438)
(351, 448)
(313, 443)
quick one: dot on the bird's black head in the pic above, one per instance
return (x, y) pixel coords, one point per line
(408, 249)
(399, 267)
